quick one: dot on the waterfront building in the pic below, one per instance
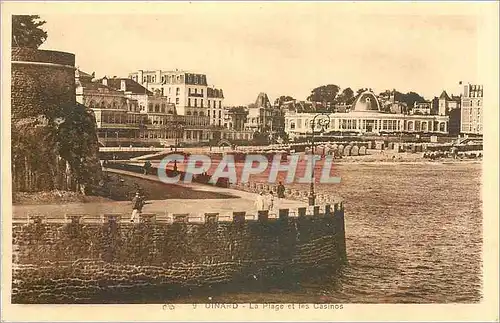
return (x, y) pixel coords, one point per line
(260, 114)
(118, 118)
(446, 104)
(235, 118)
(190, 93)
(215, 111)
(128, 114)
(424, 108)
(471, 122)
(367, 116)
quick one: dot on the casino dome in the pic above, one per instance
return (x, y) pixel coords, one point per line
(366, 102)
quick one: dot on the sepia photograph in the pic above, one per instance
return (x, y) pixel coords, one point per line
(250, 156)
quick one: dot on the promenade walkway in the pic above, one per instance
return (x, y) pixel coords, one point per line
(242, 201)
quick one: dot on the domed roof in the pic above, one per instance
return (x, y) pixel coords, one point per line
(366, 102)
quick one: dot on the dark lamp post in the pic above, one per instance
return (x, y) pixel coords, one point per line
(319, 124)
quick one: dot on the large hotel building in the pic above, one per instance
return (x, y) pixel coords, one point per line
(190, 93)
(472, 110)
(366, 116)
(156, 108)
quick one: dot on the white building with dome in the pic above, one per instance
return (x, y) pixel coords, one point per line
(366, 117)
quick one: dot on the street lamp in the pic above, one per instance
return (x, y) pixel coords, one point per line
(178, 126)
(321, 122)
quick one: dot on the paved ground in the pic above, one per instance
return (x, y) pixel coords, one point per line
(240, 201)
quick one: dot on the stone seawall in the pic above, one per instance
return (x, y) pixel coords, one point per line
(96, 260)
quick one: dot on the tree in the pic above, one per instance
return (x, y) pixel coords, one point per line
(411, 97)
(260, 138)
(78, 142)
(325, 94)
(282, 99)
(26, 31)
(346, 97)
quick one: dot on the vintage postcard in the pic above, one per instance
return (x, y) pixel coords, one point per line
(250, 161)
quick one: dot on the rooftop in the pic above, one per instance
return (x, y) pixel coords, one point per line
(131, 85)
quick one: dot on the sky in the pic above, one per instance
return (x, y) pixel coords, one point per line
(279, 48)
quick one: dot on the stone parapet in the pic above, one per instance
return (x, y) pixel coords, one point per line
(23, 54)
(83, 259)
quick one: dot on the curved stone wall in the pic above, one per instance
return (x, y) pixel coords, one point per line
(42, 81)
(45, 56)
(104, 260)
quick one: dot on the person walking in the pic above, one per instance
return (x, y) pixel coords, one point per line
(137, 205)
(281, 191)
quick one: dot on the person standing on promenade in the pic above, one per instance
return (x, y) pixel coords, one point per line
(281, 191)
(260, 202)
(270, 201)
(137, 204)
(146, 167)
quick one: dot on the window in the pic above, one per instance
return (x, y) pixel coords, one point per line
(220, 104)
(220, 114)
(208, 103)
(201, 91)
(201, 103)
(163, 107)
(195, 91)
(189, 102)
(176, 100)
(208, 113)
(178, 91)
(195, 103)
(157, 107)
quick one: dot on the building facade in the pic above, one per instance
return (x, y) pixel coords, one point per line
(424, 108)
(128, 114)
(366, 116)
(190, 92)
(471, 121)
(260, 114)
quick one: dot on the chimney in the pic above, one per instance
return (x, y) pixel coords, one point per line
(123, 86)
(140, 75)
(105, 81)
